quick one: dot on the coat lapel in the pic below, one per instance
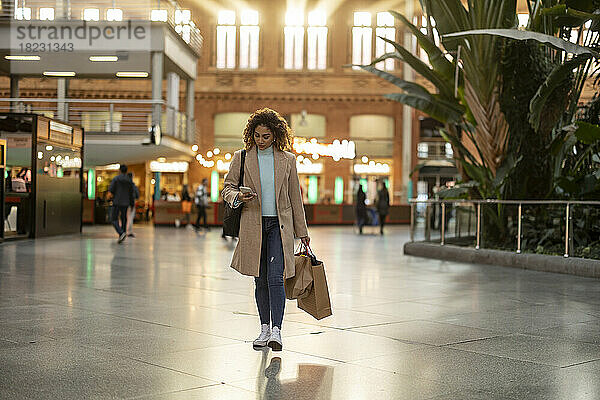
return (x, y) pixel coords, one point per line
(280, 166)
(252, 170)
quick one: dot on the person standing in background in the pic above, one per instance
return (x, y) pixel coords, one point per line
(383, 204)
(201, 200)
(361, 208)
(186, 204)
(131, 210)
(123, 193)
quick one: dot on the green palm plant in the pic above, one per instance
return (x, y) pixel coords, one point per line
(554, 23)
(466, 97)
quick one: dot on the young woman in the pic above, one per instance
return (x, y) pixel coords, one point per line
(272, 215)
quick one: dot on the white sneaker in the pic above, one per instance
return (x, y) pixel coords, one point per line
(275, 340)
(265, 334)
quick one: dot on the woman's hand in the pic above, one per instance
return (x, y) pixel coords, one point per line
(244, 198)
(305, 241)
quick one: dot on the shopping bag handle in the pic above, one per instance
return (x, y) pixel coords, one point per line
(312, 256)
(301, 250)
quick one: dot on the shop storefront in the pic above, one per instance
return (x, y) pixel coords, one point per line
(329, 174)
(166, 186)
(42, 176)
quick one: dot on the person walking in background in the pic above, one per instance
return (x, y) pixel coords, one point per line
(186, 204)
(201, 200)
(121, 188)
(383, 204)
(272, 214)
(131, 210)
(361, 208)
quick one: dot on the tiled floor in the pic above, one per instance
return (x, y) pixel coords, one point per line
(163, 317)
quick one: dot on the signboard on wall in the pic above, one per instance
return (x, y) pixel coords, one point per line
(43, 127)
(77, 137)
(18, 141)
(61, 133)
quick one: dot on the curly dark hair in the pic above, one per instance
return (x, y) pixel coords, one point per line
(282, 134)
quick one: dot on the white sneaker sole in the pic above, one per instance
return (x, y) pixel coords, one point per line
(259, 343)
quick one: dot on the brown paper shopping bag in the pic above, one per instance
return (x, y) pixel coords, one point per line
(299, 285)
(317, 302)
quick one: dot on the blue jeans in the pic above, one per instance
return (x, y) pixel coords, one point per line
(119, 218)
(269, 291)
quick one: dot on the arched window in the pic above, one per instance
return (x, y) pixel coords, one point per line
(373, 135)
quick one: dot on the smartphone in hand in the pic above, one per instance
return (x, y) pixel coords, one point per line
(246, 190)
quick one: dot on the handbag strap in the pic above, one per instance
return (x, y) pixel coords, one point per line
(241, 180)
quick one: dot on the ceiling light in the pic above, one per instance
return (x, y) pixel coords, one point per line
(59, 73)
(161, 159)
(132, 74)
(195, 147)
(104, 58)
(217, 150)
(22, 58)
(49, 148)
(209, 154)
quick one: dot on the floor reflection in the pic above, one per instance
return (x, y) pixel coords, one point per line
(313, 381)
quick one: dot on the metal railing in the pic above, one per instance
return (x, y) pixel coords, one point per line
(135, 10)
(104, 115)
(434, 151)
(549, 224)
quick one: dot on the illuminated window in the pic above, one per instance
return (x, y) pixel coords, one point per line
(362, 37)
(293, 56)
(316, 57)
(523, 19)
(47, 14)
(226, 31)
(114, 14)
(91, 14)
(423, 150)
(182, 17)
(385, 28)
(159, 15)
(449, 151)
(249, 31)
(424, 31)
(23, 13)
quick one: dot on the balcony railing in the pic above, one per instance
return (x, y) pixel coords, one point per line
(104, 115)
(434, 151)
(167, 11)
(568, 228)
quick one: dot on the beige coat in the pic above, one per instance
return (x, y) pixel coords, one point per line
(290, 209)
